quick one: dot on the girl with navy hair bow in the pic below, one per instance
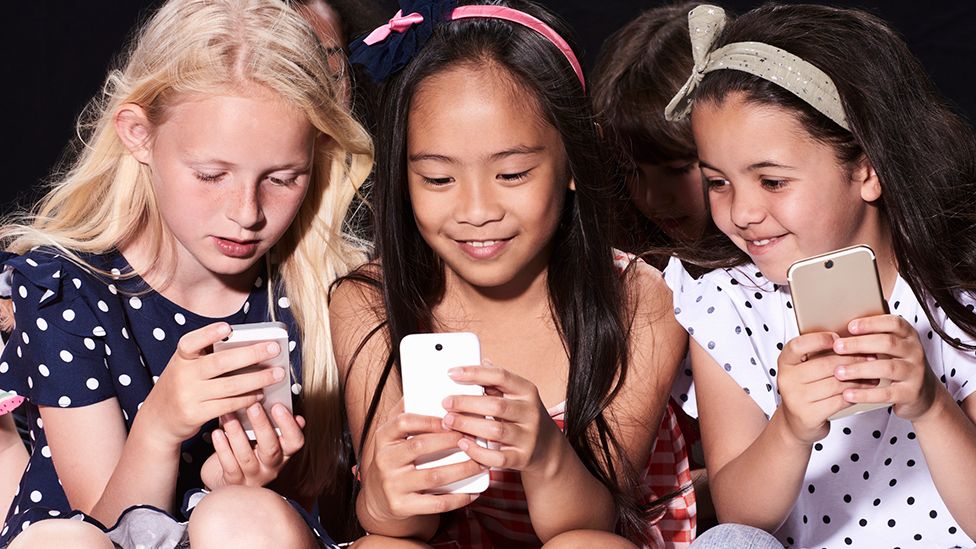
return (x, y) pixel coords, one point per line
(491, 215)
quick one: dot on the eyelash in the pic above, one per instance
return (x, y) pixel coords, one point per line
(213, 178)
(514, 177)
(283, 182)
(773, 184)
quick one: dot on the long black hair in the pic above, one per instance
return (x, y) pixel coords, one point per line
(923, 152)
(587, 299)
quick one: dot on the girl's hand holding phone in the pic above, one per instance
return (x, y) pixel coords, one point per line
(525, 435)
(901, 359)
(393, 488)
(238, 461)
(191, 391)
(807, 383)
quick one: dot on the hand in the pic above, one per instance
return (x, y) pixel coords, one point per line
(236, 461)
(810, 391)
(900, 358)
(393, 488)
(191, 391)
(525, 434)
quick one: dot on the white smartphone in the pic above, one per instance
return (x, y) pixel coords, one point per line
(243, 335)
(424, 362)
(832, 289)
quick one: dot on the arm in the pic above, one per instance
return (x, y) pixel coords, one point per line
(120, 471)
(656, 346)
(945, 429)
(13, 460)
(391, 501)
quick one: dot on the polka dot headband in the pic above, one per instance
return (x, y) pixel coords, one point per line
(812, 85)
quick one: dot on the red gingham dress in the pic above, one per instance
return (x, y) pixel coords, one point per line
(499, 518)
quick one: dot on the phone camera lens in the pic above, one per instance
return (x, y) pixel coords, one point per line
(829, 263)
(438, 347)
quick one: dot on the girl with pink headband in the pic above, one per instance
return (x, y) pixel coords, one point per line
(492, 213)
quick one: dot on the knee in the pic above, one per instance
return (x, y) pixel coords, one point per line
(57, 533)
(729, 535)
(241, 516)
(588, 538)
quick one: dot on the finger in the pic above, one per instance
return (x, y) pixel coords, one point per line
(492, 376)
(801, 348)
(241, 446)
(892, 324)
(225, 456)
(292, 438)
(873, 395)
(268, 447)
(893, 369)
(425, 446)
(239, 384)
(239, 357)
(497, 407)
(503, 432)
(873, 344)
(194, 344)
(404, 425)
(219, 407)
(430, 504)
(829, 388)
(485, 456)
(822, 367)
(426, 480)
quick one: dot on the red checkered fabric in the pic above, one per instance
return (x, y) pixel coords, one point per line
(499, 518)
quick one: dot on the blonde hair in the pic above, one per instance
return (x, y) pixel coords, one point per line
(106, 197)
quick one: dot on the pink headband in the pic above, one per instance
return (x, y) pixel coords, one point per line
(401, 22)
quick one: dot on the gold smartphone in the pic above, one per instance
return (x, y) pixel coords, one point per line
(832, 289)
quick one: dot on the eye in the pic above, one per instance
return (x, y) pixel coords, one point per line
(716, 184)
(514, 177)
(209, 177)
(773, 184)
(282, 182)
(437, 181)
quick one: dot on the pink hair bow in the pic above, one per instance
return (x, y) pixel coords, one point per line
(399, 23)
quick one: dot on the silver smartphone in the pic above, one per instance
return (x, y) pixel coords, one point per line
(243, 335)
(832, 289)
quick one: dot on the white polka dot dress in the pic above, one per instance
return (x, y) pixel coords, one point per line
(79, 341)
(867, 483)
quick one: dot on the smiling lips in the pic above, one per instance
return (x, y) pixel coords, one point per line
(236, 248)
(761, 246)
(483, 249)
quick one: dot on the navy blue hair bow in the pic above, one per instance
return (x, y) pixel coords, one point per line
(390, 47)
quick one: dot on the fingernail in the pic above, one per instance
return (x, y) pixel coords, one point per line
(834, 336)
(464, 444)
(252, 410)
(839, 344)
(448, 403)
(223, 330)
(849, 396)
(455, 372)
(278, 410)
(448, 420)
(852, 327)
(840, 372)
(278, 374)
(273, 349)
(260, 396)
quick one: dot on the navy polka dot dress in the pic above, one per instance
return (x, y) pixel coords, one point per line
(82, 338)
(867, 483)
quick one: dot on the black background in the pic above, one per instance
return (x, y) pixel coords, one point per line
(59, 51)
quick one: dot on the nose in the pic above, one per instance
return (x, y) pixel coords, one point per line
(747, 207)
(477, 203)
(244, 205)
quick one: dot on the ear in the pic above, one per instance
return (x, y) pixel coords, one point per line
(134, 130)
(865, 176)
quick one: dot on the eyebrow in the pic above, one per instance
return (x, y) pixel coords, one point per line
(516, 150)
(221, 164)
(751, 167)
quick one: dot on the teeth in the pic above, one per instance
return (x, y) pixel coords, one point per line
(760, 242)
(482, 243)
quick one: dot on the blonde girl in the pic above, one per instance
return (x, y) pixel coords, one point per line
(210, 189)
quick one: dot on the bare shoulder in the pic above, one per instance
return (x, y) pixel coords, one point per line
(356, 312)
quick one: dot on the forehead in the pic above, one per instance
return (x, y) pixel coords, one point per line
(476, 107)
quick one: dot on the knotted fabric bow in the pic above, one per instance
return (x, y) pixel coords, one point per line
(812, 85)
(401, 37)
